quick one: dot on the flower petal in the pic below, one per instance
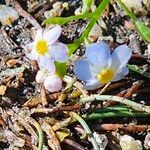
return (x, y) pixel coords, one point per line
(121, 56)
(53, 83)
(38, 34)
(122, 72)
(59, 52)
(30, 52)
(53, 34)
(46, 63)
(41, 76)
(98, 54)
(92, 84)
(83, 70)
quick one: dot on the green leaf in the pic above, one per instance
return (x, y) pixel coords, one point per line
(62, 21)
(115, 111)
(136, 69)
(57, 20)
(114, 114)
(61, 69)
(143, 30)
(127, 10)
(72, 47)
(86, 5)
(129, 103)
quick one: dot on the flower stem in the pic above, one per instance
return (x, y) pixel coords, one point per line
(62, 20)
(125, 101)
(87, 129)
(133, 17)
(104, 88)
(141, 27)
(95, 16)
(40, 133)
(112, 113)
(86, 5)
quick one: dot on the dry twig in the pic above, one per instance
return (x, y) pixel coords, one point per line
(126, 93)
(43, 96)
(55, 109)
(52, 140)
(128, 128)
(73, 144)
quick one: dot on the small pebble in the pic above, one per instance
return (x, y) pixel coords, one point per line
(129, 143)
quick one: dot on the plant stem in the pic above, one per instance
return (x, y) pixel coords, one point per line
(115, 111)
(72, 47)
(62, 21)
(104, 88)
(87, 129)
(40, 133)
(144, 30)
(133, 17)
(86, 5)
(114, 114)
(130, 103)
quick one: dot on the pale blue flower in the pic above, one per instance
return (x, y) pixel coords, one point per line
(100, 66)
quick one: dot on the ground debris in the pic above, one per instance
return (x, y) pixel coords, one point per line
(30, 115)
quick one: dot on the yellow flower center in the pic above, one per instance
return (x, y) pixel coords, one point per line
(8, 20)
(42, 47)
(105, 75)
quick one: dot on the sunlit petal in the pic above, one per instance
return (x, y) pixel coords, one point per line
(59, 52)
(53, 83)
(38, 34)
(98, 54)
(41, 76)
(83, 70)
(121, 56)
(53, 34)
(121, 73)
(30, 52)
(92, 85)
(47, 63)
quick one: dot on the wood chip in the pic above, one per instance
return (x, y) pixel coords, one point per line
(11, 62)
(2, 89)
(43, 96)
(129, 25)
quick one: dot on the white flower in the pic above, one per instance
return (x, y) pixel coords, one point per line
(46, 50)
(47, 75)
(45, 44)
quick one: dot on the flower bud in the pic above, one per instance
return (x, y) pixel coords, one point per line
(41, 76)
(53, 83)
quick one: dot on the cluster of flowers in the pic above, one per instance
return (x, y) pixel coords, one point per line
(46, 49)
(98, 68)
